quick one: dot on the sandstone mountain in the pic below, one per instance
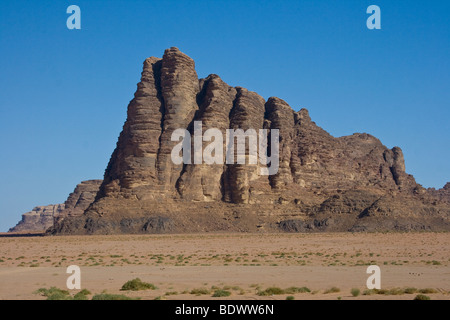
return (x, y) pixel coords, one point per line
(43, 217)
(324, 183)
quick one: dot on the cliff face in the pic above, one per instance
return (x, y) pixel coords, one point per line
(42, 217)
(323, 183)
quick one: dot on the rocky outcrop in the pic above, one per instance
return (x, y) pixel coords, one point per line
(80, 199)
(39, 219)
(43, 217)
(442, 195)
(323, 183)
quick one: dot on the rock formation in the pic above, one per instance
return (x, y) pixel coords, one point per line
(78, 201)
(324, 183)
(442, 195)
(39, 219)
(43, 217)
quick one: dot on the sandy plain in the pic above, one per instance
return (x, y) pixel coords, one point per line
(243, 264)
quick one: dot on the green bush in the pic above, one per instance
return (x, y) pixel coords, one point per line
(428, 290)
(422, 297)
(80, 296)
(355, 292)
(54, 293)
(85, 292)
(370, 292)
(278, 291)
(200, 291)
(137, 284)
(109, 296)
(290, 298)
(410, 290)
(221, 293)
(396, 291)
(271, 291)
(292, 290)
(332, 290)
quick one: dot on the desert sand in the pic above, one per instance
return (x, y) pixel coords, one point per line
(243, 264)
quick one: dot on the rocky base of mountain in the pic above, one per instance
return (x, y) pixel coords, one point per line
(346, 211)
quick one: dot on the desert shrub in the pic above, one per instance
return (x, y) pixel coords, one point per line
(422, 297)
(332, 290)
(370, 292)
(398, 291)
(355, 292)
(428, 290)
(410, 290)
(85, 292)
(290, 298)
(54, 293)
(271, 291)
(382, 291)
(221, 293)
(59, 296)
(137, 284)
(278, 291)
(109, 296)
(200, 291)
(395, 291)
(80, 296)
(292, 290)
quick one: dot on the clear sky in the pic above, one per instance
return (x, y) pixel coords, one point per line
(64, 93)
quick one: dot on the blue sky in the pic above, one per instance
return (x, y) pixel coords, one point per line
(64, 93)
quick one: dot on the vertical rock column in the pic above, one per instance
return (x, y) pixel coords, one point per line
(131, 171)
(396, 162)
(281, 117)
(179, 88)
(247, 113)
(202, 182)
